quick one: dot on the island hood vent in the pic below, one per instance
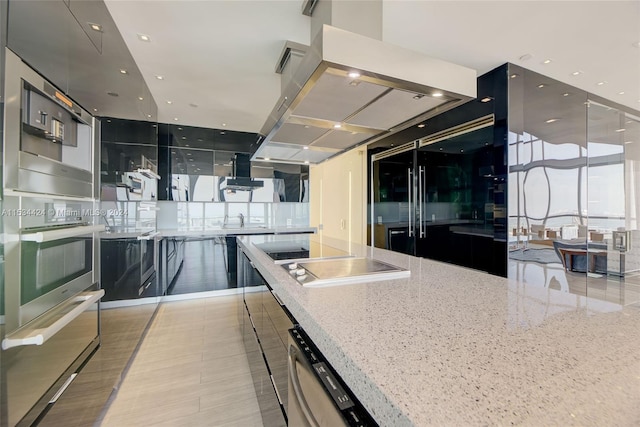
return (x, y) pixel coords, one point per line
(350, 90)
(241, 180)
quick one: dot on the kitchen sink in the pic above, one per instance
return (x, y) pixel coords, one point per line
(343, 271)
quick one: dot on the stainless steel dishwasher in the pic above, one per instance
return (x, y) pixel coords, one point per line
(317, 396)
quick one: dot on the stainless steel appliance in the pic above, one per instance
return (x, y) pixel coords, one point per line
(51, 298)
(330, 272)
(349, 89)
(148, 260)
(50, 139)
(317, 395)
(50, 216)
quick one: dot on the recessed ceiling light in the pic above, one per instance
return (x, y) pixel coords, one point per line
(628, 142)
(179, 128)
(546, 61)
(602, 83)
(184, 137)
(620, 130)
(576, 73)
(513, 76)
(541, 85)
(306, 162)
(175, 118)
(95, 27)
(565, 94)
(486, 99)
(421, 125)
(440, 148)
(337, 126)
(169, 102)
(636, 44)
(222, 133)
(306, 126)
(123, 71)
(224, 124)
(354, 75)
(551, 120)
(160, 77)
(144, 37)
(305, 147)
(95, 109)
(267, 159)
(436, 94)
(149, 115)
(621, 93)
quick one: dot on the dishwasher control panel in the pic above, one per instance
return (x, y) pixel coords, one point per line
(352, 411)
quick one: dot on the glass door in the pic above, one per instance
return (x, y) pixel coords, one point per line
(393, 199)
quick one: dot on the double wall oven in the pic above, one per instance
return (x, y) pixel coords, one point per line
(51, 219)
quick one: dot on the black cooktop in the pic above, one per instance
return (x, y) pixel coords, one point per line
(300, 250)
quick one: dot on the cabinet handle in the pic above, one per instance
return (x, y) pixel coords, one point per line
(409, 189)
(277, 298)
(297, 390)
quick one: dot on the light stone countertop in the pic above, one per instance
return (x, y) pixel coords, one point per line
(132, 232)
(451, 346)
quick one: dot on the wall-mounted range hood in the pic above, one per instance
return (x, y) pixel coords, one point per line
(350, 90)
(241, 179)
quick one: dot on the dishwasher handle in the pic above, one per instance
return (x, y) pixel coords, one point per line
(297, 390)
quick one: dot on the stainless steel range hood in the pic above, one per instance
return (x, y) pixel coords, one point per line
(350, 90)
(241, 175)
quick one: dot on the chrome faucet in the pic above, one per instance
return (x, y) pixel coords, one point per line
(107, 226)
(241, 220)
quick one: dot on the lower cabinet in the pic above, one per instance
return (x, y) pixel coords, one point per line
(265, 324)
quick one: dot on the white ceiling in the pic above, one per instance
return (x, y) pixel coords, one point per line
(221, 55)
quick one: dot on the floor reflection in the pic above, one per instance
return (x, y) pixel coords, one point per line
(611, 288)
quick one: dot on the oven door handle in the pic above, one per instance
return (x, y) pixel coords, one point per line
(40, 336)
(48, 236)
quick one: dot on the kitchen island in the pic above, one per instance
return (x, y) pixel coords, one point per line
(454, 346)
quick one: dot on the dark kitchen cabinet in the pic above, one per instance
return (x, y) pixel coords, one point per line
(120, 268)
(269, 320)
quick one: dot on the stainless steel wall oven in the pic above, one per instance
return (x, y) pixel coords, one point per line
(51, 219)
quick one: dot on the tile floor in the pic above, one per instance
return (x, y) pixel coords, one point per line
(191, 370)
(81, 404)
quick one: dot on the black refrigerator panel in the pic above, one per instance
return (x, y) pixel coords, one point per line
(394, 196)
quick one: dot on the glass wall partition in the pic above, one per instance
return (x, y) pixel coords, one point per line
(614, 204)
(573, 190)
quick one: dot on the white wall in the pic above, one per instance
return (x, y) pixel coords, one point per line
(338, 196)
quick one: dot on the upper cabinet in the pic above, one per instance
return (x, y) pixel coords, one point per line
(77, 46)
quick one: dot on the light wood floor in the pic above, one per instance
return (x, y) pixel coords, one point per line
(191, 370)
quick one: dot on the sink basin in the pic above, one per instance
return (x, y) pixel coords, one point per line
(342, 271)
